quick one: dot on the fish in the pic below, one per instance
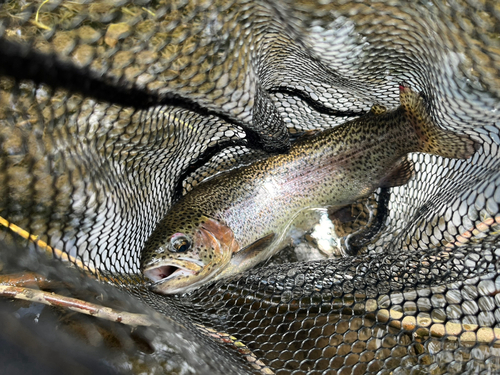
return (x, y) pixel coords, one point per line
(237, 219)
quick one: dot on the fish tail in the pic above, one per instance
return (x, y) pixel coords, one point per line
(432, 139)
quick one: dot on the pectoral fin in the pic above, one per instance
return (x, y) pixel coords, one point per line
(248, 257)
(399, 176)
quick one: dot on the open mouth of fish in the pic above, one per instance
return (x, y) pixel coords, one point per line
(171, 270)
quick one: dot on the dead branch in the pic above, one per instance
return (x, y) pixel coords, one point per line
(84, 307)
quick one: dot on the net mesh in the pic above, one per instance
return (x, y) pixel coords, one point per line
(111, 110)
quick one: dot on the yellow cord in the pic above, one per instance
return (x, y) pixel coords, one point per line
(43, 245)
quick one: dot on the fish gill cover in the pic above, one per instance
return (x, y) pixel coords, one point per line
(112, 110)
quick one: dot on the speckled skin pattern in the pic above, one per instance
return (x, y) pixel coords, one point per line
(333, 168)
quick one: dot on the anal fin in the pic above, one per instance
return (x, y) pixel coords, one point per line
(399, 175)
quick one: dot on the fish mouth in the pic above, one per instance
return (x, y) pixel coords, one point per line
(163, 272)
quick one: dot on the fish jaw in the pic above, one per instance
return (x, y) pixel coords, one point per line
(182, 274)
(173, 277)
(171, 269)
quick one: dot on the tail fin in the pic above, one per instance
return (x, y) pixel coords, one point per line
(433, 140)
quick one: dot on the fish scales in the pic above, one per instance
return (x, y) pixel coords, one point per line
(237, 219)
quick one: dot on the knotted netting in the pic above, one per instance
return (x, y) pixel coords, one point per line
(112, 110)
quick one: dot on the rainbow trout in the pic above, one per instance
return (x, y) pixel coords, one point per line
(237, 219)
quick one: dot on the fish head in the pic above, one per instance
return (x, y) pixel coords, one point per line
(181, 255)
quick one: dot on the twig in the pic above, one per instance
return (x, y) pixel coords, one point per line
(40, 7)
(27, 280)
(84, 307)
(36, 22)
(239, 346)
(150, 12)
(128, 11)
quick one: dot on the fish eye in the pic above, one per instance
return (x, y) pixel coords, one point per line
(179, 244)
